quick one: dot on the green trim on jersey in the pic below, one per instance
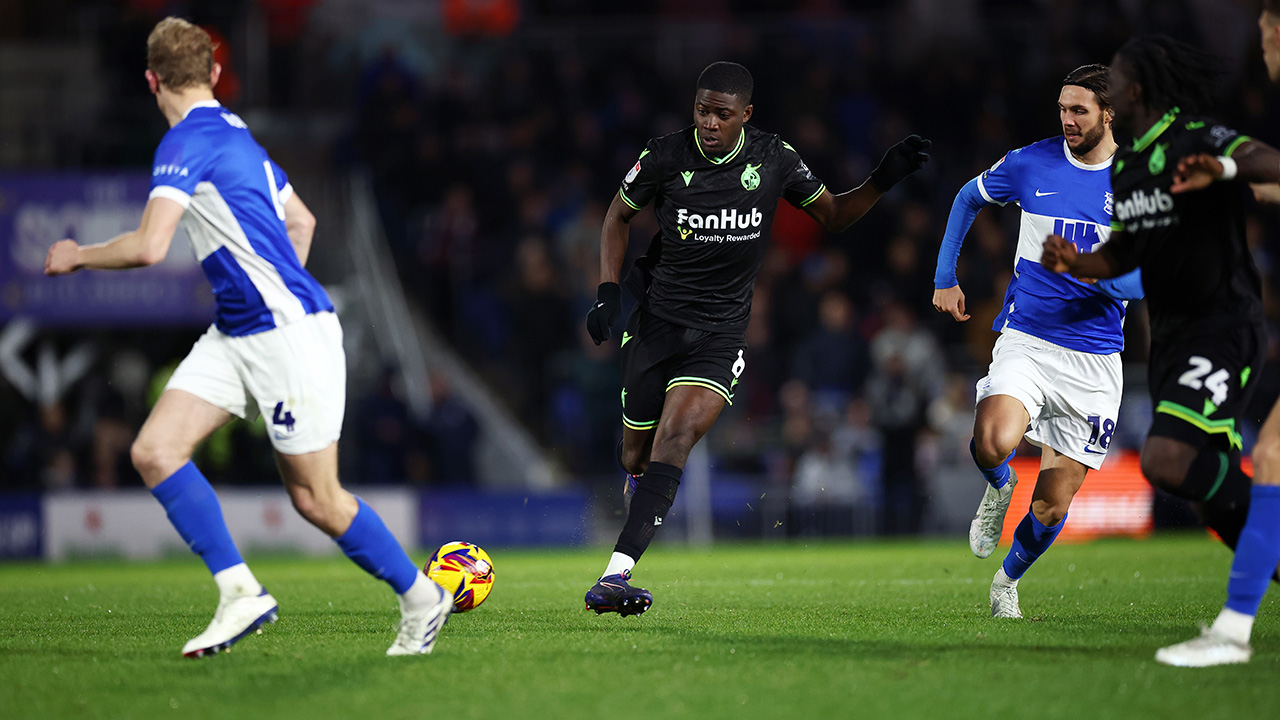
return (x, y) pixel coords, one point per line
(742, 140)
(1235, 144)
(1212, 427)
(1155, 130)
(704, 383)
(1117, 226)
(814, 196)
(627, 200)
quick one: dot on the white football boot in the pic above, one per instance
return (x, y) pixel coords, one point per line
(420, 628)
(1210, 648)
(1004, 596)
(984, 531)
(234, 618)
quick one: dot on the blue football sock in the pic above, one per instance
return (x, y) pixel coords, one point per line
(998, 476)
(1257, 552)
(196, 514)
(1030, 541)
(371, 545)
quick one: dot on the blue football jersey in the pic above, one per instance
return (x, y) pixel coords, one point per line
(234, 197)
(1058, 194)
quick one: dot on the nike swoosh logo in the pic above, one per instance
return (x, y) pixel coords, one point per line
(1043, 194)
(1095, 452)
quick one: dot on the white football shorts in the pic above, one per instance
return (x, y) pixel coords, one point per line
(1072, 397)
(294, 375)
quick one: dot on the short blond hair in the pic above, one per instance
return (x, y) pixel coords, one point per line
(180, 54)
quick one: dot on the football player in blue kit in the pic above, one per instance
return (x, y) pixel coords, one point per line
(275, 348)
(1055, 374)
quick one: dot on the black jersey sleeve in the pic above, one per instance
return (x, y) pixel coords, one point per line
(799, 186)
(1221, 140)
(644, 178)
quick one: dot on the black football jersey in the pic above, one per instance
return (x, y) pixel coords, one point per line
(714, 216)
(1195, 260)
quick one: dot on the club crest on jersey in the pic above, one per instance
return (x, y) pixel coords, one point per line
(1156, 163)
(750, 178)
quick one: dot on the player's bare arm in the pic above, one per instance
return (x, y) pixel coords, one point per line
(143, 247)
(1266, 193)
(835, 213)
(1253, 162)
(300, 224)
(1061, 256)
(950, 300)
(615, 234)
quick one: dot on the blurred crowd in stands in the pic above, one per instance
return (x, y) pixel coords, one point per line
(494, 151)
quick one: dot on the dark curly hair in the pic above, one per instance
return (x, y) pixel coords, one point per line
(1171, 73)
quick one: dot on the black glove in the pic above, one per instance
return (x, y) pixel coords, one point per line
(604, 314)
(902, 159)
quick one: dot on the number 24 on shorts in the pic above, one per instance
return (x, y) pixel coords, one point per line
(1216, 382)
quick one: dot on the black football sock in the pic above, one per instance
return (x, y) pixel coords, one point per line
(1223, 488)
(655, 491)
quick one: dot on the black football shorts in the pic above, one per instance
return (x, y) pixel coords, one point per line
(1202, 380)
(658, 355)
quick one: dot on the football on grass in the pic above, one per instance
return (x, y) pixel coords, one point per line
(464, 570)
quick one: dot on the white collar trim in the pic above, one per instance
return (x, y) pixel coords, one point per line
(1066, 150)
(213, 103)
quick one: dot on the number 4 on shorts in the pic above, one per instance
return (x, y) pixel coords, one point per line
(282, 417)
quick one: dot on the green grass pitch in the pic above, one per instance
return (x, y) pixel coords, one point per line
(800, 630)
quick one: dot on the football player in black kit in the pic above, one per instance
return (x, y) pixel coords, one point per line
(715, 186)
(1179, 215)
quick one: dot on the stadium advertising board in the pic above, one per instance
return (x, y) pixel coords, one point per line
(20, 526)
(497, 519)
(37, 210)
(131, 524)
(1115, 500)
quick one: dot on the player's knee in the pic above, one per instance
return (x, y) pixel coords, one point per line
(153, 462)
(1163, 473)
(310, 506)
(678, 437)
(1050, 512)
(633, 460)
(331, 512)
(636, 468)
(1266, 460)
(991, 448)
